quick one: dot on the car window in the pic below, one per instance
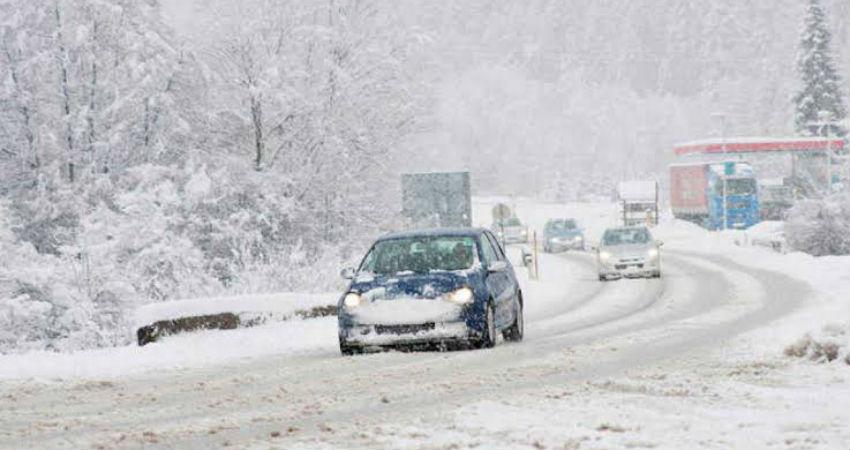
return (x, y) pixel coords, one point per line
(625, 236)
(421, 254)
(561, 226)
(500, 254)
(487, 250)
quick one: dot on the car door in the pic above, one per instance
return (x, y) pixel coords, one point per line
(503, 282)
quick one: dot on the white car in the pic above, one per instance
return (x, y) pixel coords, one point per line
(511, 231)
(629, 252)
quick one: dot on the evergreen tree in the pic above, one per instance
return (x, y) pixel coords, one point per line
(820, 99)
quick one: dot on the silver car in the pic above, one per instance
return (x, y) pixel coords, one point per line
(628, 252)
(511, 231)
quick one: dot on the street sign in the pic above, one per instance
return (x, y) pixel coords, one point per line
(501, 212)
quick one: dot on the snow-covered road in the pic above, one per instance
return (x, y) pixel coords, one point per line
(579, 332)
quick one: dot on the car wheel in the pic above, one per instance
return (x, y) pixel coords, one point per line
(515, 332)
(348, 350)
(603, 278)
(488, 337)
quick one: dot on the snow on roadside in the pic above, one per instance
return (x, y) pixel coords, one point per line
(193, 350)
(285, 303)
(190, 350)
(826, 311)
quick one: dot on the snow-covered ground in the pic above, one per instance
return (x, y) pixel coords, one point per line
(694, 360)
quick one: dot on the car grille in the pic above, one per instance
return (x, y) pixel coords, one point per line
(404, 329)
(630, 260)
(624, 266)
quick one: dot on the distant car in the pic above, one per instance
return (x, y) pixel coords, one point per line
(628, 252)
(562, 234)
(450, 287)
(511, 231)
(769, 234)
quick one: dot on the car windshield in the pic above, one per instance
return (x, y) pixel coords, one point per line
(420, 254)
(625, 236)
(562, 225)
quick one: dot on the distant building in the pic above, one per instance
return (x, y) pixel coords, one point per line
(809, 164)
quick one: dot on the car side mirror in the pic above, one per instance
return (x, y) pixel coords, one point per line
(347, 273)
(497, 266)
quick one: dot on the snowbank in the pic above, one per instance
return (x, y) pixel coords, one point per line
(280, 303)
(829, 277)
(194, 350)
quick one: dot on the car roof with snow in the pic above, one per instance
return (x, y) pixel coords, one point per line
(432, 232)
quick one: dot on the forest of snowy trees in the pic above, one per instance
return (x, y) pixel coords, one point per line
(255, 145)
(135, 169)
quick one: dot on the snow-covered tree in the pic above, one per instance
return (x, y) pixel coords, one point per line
(820, 101)
(820, 227)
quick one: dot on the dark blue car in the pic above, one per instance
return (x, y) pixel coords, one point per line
(446, 287)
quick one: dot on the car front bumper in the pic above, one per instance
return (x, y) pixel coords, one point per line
(571, 244)
(632, 268)
(377, 335)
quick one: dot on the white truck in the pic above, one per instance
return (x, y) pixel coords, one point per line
(638, 202)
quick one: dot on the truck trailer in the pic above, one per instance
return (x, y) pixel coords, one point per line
(638, 202)
(715, 195)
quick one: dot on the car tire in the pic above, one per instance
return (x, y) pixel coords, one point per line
(488, 336)
(348, 350)
(516, 331)
(603, 278)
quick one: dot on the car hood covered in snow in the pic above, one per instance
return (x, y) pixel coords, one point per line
(408, 285)
(628, 251)
(408, 297)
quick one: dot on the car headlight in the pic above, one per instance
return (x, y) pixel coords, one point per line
(604, 256)
(524, 231)
(578, 238)
(352, 300)
(652, 253)
(462, 296)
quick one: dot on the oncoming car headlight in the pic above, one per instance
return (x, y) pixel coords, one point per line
(352, 300)
(578, 238)
(462, 296)
(604, 256)
(652, 253)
